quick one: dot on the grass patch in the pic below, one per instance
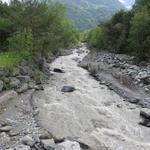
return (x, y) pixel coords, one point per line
(9, 59)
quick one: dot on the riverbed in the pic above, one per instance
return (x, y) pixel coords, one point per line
(92, 114)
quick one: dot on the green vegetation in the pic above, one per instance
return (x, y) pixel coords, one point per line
(85, 14)
(31, 27)
(126, 32)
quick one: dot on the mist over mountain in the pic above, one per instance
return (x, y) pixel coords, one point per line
(85, 14)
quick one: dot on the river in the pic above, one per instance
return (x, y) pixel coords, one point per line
(92, 114)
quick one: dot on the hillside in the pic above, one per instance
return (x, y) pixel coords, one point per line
(87, 13)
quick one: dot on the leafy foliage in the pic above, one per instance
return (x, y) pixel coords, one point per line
(85, 14)
(34, 26)
(125, 32)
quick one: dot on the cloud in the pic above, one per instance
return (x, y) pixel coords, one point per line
(122, 1)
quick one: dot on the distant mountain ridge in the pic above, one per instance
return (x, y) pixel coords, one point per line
(85, 14)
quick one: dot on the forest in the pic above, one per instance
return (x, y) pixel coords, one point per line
(31, 27)
(127, 32)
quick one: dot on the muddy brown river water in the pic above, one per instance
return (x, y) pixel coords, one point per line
(92, 113)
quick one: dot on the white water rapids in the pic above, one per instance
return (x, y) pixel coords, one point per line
(92, 114)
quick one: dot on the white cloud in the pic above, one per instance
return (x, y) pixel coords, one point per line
(122, 1)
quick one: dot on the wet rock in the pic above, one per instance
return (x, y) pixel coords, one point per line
(5, 129)
(68, 89)
(68, 145)
(14, 83)
(48, 144)
(22, 147)
(145, 115)
(147, 81)
(1, 85)
(27, 140)
(58, 70)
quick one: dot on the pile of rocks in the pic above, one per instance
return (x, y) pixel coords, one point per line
(45, 142)
(25, 76)
(122, 65)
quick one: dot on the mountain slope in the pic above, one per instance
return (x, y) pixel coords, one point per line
(87, 13)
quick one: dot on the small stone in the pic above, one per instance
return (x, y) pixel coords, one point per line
(68, 89)
(22, 147)
(45, 135)
(48, 144)
(27, 140)
(13, 133)
(23, 88)
(5, 129)
(58, 70)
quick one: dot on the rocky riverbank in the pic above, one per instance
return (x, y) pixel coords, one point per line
(17, 86)
(73, 111)
(118, 72)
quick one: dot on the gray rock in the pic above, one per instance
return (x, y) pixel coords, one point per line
(39, 87)
(58, 70)
(31, 85)
(27, 140)
(23, 78)
(45, 135)
(26, 70)
(13, 133)
(23, 88)
(145, 115)
(22, 147)
(68, 145)
(48, 144)
(7, 96)
(5, 129)
(1, 85)
(14, 82)
(68, 89)
(147, 81)
(15, 71)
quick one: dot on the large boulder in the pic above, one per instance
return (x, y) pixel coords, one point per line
(68, 89)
